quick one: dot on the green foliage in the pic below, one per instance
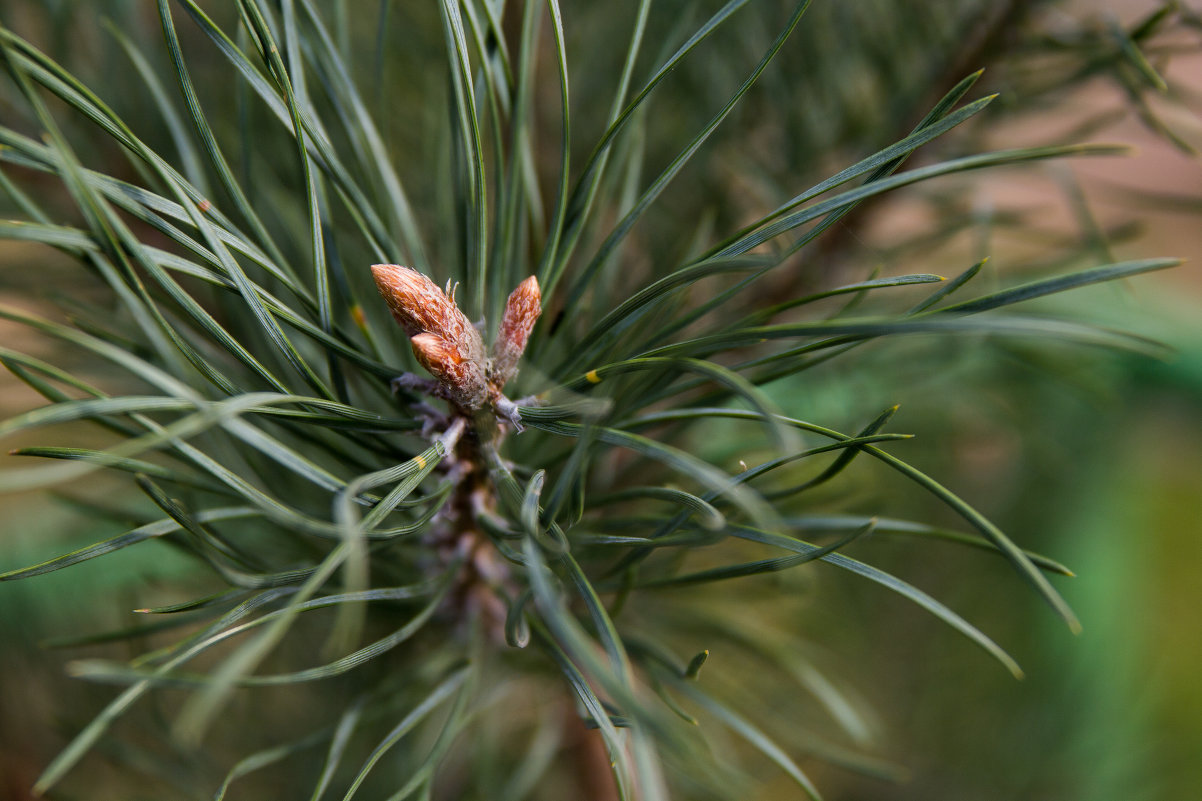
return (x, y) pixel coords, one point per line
(239, 361)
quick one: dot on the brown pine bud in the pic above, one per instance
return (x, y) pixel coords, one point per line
(521, 312)
(443, 339)
(462, 378)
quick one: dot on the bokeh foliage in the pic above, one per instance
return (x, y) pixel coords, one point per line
(254, 358)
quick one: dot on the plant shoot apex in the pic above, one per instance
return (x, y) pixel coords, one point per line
(444, 341)
(449, 346)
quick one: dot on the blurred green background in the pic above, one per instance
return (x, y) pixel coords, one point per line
(1092, 458)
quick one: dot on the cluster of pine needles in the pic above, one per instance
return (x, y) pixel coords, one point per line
(236, 364)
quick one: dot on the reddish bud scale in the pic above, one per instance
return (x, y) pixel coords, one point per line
(443, 339)
(521, 312)
(449, 346)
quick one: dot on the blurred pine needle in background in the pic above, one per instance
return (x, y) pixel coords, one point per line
(373, 574)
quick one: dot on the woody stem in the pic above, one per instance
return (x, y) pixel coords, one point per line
(459, 538)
